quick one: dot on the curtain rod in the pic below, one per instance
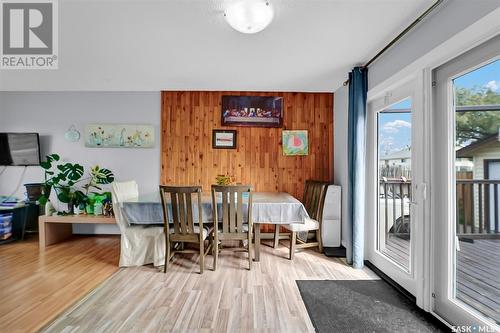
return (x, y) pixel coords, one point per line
(401, 35)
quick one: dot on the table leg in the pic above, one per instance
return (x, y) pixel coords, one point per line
(256, 249)
(276, 235)
(51, 233)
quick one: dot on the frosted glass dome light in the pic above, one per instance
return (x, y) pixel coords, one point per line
(249, 16)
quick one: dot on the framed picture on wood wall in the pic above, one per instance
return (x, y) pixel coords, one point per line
(256, 111)
(223, 139)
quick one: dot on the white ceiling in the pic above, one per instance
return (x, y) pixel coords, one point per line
(152, 45)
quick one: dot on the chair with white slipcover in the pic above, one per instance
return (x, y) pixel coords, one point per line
(140, 245)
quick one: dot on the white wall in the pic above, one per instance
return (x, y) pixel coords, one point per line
(51, 114)
(447, 20)
(340, 148)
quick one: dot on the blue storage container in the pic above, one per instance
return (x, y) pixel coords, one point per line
(5, 226)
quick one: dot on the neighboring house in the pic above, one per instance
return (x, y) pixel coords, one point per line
(396, 165)
(398, 158)
(485, 155)
(402, 159)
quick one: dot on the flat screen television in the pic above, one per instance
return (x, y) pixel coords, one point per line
(19, 149)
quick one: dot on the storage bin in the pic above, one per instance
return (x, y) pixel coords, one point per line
(5, 226)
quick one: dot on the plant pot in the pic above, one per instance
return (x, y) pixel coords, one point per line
(89, 209)
(71, 208)
(35, 190)
(49, 209)
(46, 190)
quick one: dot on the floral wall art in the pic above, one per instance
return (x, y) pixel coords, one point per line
(295, 143)
(119, 136)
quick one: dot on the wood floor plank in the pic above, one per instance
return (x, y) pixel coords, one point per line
(35, 287)
(231, 299)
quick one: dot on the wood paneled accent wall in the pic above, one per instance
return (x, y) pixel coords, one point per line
(187, 157)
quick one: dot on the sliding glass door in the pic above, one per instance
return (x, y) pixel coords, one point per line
(466, 186)
(392, 174)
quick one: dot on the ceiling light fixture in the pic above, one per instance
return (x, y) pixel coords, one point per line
(249, 16)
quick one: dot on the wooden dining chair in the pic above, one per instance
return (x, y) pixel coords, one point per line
(183, 228)
(233, 226)
(313, 200)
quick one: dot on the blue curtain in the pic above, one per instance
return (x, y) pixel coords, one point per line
(358, 86)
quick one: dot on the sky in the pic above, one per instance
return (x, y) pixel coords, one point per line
(487, 76)
(395, 128)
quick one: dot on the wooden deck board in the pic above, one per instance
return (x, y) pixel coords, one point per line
(398, 249)
(478, 271)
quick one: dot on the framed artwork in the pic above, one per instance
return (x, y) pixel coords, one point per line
(222, 139)
(119, 136)
(295, 143)
(257, 111)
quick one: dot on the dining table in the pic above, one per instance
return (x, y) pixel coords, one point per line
(267, 208)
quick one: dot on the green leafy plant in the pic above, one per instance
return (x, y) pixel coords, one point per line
(65, 177)
(98, 177)
(223, 180)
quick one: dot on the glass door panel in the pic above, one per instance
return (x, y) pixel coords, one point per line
(465, 186)
(476, 280)
(394, 136)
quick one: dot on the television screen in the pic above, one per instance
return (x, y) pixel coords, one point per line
(19, 149)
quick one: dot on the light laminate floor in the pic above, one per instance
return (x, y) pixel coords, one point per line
(35, 287)
(231, 299)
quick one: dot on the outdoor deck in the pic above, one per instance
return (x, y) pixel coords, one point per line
(478, 272)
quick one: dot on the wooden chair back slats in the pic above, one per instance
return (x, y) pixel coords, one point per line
(314, 198)
(232, 207)
(239, 212)
(307, 196)
(182, 213)
(182, 208)
(225, 213)
(232, 212)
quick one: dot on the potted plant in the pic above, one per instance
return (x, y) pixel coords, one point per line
(61, 178)
(65, 178)
(223, 180)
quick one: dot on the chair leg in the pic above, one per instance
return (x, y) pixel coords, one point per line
(215, 251)
(256, 245)
(293, 241)
(250, 257)
(202, 255)
(167, 253)
(276, 235)
(320, 242)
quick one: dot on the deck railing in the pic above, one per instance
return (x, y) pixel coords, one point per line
(394, 205)
(478, 208)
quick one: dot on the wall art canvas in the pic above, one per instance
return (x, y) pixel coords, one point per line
(222, 139)
(257, 111)
(119, 136)
(295, 143)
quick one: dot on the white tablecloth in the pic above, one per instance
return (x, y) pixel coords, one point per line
(268, 207)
